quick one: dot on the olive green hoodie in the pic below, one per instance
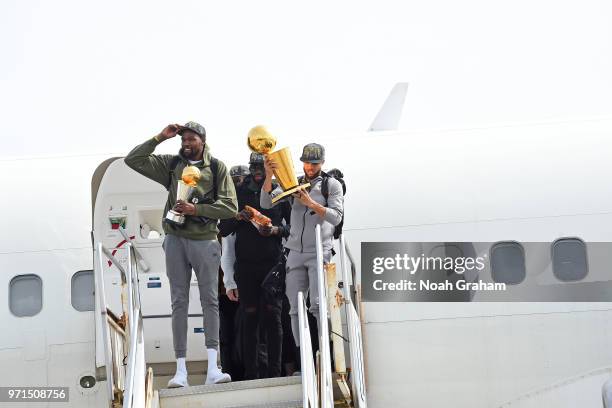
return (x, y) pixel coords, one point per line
(157, 168)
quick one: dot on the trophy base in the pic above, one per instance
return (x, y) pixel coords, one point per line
(289, 192)
(175, 218)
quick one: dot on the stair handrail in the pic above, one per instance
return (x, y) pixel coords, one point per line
(606, 394)
(133, 389)
(326, 390)
(344, 247)
(101, 300)
(355, 338)
(137, 254)
(310, 397)
(134, 395)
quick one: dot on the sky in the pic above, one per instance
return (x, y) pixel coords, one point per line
(99, 77)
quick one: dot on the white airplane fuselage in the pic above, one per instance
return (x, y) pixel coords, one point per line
(535, 182)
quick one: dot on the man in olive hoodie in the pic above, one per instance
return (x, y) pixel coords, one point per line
(193, 244)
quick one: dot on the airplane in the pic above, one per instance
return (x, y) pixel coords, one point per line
(525, 184)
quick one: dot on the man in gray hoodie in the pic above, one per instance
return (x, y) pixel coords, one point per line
(308, 208)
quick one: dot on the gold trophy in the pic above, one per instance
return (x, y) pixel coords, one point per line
(189, 179)
(262, 142)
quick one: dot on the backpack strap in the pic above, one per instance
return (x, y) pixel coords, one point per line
(325, 186)
(172, 166)
(214, 168)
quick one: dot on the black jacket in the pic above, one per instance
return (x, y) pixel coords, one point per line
(251, 246)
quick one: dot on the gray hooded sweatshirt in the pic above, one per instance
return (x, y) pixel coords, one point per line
(303, 220)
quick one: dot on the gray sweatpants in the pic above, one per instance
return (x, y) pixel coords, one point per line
(203, 256)
(302, 277)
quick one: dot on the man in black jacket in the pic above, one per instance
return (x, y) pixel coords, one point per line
(258, 249)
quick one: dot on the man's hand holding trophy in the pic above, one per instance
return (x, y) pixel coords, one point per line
(277, 162)
(189, 180)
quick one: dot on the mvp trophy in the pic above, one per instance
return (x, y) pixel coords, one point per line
(184, 188)
(262, 142)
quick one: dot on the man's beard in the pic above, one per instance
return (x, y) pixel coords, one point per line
(314, 176)
(192, 155)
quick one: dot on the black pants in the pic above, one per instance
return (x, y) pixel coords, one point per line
(261, 314)
(230, 361)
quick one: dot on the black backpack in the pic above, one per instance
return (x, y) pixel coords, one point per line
(214, 168)
(336, 174)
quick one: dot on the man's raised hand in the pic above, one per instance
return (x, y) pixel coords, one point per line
(169, 131)
(269, 166)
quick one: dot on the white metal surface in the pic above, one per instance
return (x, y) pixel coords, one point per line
(390, 114)
(534, 182)
(310, 396)
(105, 336)
(137, 254)
(134, 333)
(135, 392)
(579, 391)
(334, 305)
(606, 394)
(270, 391)
(134, 384)
(325, 374)
(358, 385)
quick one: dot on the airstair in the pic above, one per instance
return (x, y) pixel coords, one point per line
(131, 382)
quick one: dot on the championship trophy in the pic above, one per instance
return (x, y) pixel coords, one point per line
(262, 142)
(184, 188)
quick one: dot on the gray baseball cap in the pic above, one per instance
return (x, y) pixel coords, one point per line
(195, 127)
(313, 153)
(240, 170)
(256, 158)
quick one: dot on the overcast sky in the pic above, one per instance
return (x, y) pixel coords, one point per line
(96, 77)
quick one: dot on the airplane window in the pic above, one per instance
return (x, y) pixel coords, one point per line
(82, 291)
(25, 295)
(508, 262)
(569, 258)
(457, 251)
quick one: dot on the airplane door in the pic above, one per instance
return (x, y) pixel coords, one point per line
(125, 199)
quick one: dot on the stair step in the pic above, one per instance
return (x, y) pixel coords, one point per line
(280, 404)
(264, 392)
(161, 382)
(169, 368)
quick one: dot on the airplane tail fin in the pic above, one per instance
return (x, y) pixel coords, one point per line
(391, 112)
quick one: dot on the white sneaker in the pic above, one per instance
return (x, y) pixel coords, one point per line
(179, 380)
(217, 377)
